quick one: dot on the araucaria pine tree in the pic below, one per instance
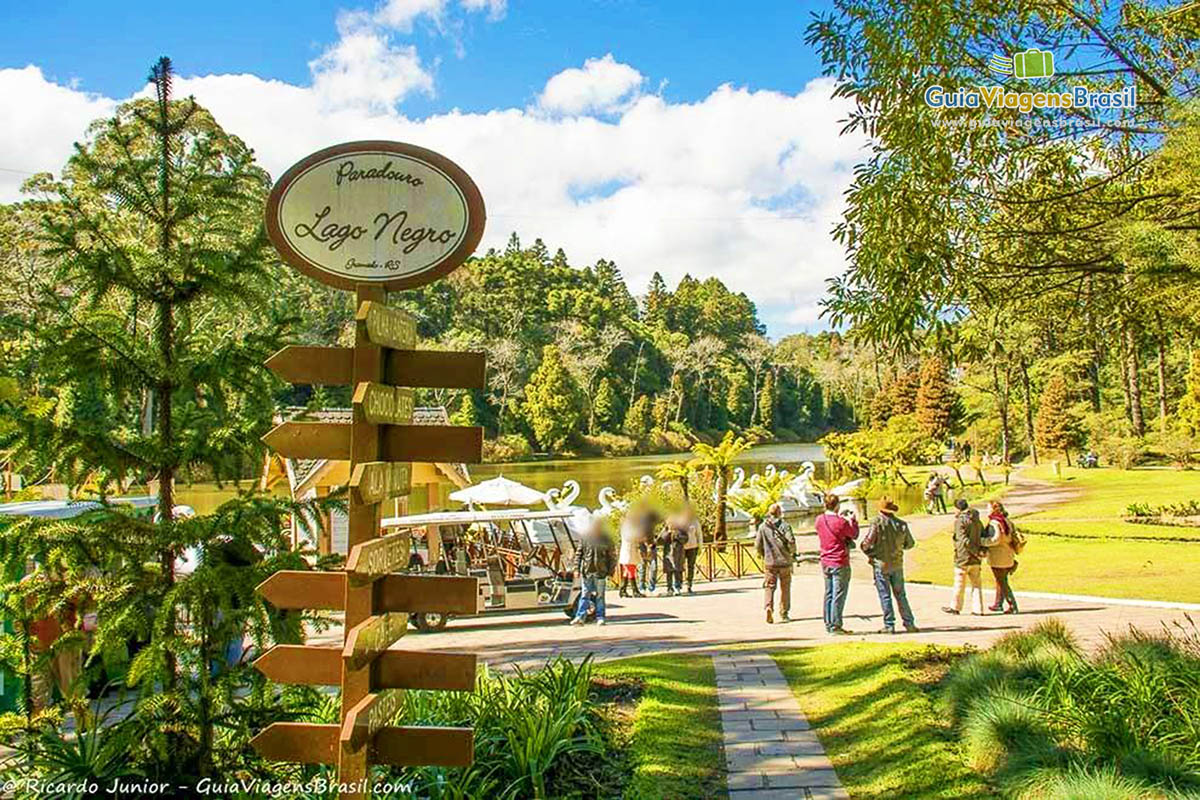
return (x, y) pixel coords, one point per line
(606, 405)
(935, 400)
(637, 418)
(1055, 428)
(552, 404)
(155, 315)
(1189, 407)
(766, 402)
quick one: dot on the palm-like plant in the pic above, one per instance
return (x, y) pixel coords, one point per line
(680, 471)
(719, 458)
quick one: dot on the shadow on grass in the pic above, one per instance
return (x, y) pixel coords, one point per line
(877, 721)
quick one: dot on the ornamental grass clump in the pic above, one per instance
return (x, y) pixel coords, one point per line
(1046, 721)
(527, 725)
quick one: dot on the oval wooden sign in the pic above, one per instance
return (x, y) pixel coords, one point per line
(380, 213)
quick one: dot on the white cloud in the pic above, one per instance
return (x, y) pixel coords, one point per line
(400, 14)
(744, 185)
(602, 85)
(364, 69)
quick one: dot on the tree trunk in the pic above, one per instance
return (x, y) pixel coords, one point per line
(1001, 388)
(1030, 440)
(1094, 360)
(166, 470)
(1123, 363)
(637, 363)
(1135, 382)
(1162, 383)
(722, 485)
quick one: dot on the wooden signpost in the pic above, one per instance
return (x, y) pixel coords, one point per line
(372, 217)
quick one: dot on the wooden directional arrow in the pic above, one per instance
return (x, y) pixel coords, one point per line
(366, 640)
(384, 405)
(331, 440)
(416, 594)
(309, 743)
(379, 557)
(393, 669)
(388, 326)
(376, 481)
(372, 713)
(333, 366)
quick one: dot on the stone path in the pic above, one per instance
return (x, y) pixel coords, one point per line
(770, 750)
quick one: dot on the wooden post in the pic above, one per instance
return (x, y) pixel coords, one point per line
(364, 525)
(380, 440)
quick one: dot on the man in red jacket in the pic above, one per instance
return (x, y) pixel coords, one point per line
(835, 533)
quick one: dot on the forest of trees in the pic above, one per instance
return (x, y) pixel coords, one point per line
(578, 363)
(1053, 258)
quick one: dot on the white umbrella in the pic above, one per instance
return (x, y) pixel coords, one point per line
(499, 491)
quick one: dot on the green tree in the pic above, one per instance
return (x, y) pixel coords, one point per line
(681, 471)
(553, 407)
(154, 318)
(720, 459)
(737, 397)
(766, 401)
(661, 413)
(466, 414)
(606, 405)
(1189, 407)
(935, 400)
(1055, 426)
(637, 418)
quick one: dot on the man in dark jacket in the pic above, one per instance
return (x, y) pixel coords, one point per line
(594, 562)
(968, 552)
(777, 546)
(885, 544)
(671, 542)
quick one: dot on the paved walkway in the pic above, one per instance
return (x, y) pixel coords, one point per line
(770, 750)
(731, 613)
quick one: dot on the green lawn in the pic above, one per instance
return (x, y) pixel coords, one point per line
(1083, 546)
(876, 717)
(1104, 567)
(676, 745)
(1104, 493)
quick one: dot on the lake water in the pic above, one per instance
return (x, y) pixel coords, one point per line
(593, 474)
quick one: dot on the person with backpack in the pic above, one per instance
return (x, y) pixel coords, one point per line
(777, 546)
(884, 545)
(594, 562)
(671, 544)
(1003, 543)
(968, 555)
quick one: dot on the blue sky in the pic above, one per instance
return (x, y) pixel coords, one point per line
(693, 46)
(680, 137)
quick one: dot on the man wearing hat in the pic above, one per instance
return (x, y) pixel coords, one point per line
(968, 553)
(885, 544)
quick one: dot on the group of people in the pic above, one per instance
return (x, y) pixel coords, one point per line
(675, 543)
(884, 545)
(837, 531)
(996, 542)
(645, 545)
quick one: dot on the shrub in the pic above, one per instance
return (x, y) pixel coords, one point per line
(1123, 452)
(509, 447)
(1046, 721)
(526, 725)
(1084, 783)
(1003, 725)
(611, 444)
